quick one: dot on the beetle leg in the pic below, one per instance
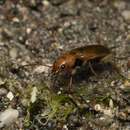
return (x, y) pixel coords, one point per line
(70, 83)
(53, 75)
(54, 83)
(118, 71)
(71, 78)
(107, 58)
(91, 68)
(84, 63)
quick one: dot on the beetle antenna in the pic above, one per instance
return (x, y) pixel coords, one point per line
(34, 65)
(121, 58)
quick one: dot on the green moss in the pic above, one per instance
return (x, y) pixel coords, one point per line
(55, 106)
(60, 106)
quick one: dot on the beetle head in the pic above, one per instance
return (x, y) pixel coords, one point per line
(63, 63)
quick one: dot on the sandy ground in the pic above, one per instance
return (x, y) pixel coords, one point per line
(38, 31)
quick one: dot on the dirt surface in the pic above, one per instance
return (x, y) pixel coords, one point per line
(38, 31)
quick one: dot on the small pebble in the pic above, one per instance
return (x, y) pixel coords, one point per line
(2, 81)
(16, 20)
(112, 83)
(107, 111)
(41, 69)
(3, 91)
(8, 116)
(97, 107)
(1, 43)
(8, 32)
(32, 2)
(126, 14)
(122, 115)
(111, 103)
(10, 96)
(127, 84)
(65, 127)
(45, 3)
(28, 30)
(34, 95)
(120, 4)
(122, 86)
(13, 53)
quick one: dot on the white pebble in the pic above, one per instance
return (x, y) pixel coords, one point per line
(10, 96)
(8, 116)
(108, 112)
(111, 103)
(34, 95)
(41, 69)
(28, 30)
(65, 127)
(126, 14)
(45, 3)
(97, 107)
(15, 19)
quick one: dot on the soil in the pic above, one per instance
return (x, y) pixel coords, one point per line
(38, 31)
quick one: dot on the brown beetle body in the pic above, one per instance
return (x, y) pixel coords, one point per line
(79, 57)
(68, 60)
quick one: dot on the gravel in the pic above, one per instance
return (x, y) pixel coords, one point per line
(37, 32)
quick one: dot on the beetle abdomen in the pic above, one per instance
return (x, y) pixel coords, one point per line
(90, 52)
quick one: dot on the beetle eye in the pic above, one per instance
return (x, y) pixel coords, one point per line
(62, 66)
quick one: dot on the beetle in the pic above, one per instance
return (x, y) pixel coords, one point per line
(79, 57)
